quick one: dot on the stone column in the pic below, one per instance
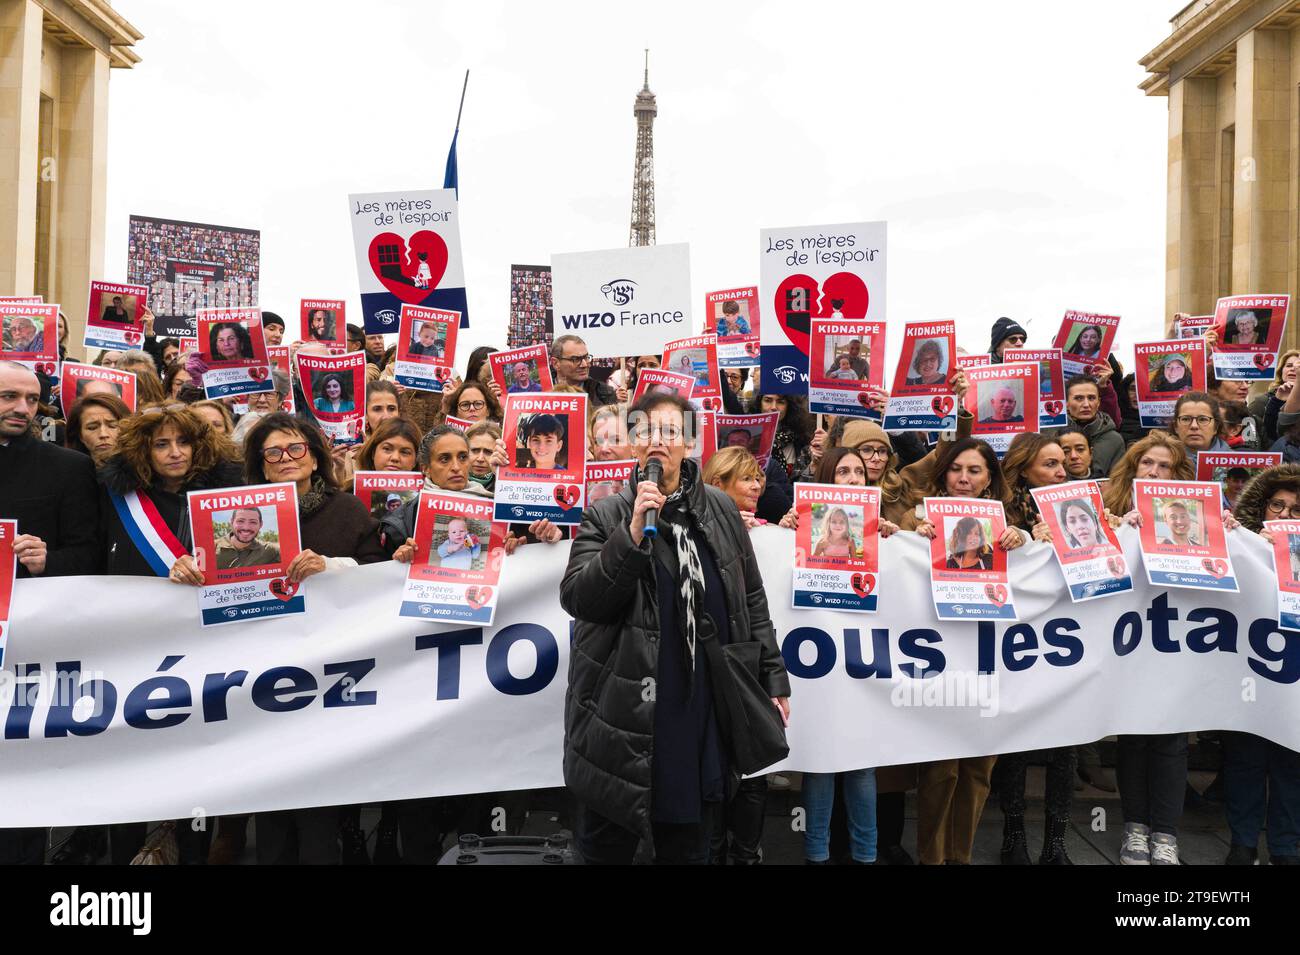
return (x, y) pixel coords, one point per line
(1262, 184)
(20, 100)
(1192, 200)
(83, 168)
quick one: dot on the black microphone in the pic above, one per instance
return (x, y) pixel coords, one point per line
(654, 471)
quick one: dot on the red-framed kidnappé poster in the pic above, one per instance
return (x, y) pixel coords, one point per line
(233, 349)
(546, 443)
(1183, 540)
(1085, 340)
(1249, 330)
(968, 570)
(114, 316)
(324, 320)
(426, 348)
(732, 315)
(837, 547)
(78, 381)
(244, 540)
(698, 358)
(459, 552)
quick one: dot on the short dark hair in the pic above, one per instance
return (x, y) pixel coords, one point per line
(431, 438)
(317, 446)
(1073, 429)
(1201, 397)
(1076, 380)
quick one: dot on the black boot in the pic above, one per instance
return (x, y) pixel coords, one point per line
(1014, 851)
(1054, 841)
(386, 843)
(353, 841)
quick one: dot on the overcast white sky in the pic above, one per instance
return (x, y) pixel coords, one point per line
(1019, 167)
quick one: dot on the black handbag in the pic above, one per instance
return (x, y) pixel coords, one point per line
(753, 730)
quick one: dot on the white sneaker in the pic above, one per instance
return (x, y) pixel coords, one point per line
(1164, 849)
(1136, 848)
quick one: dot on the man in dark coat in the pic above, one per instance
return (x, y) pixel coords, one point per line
(51, 492)
(643, 752)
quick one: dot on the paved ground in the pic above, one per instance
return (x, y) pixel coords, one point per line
(1093, 840)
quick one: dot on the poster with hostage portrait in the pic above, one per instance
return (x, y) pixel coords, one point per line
(8, 571)
(753, 432)
(1233, 470)
(659, 380)
(837, 547)
(1085, 340)
(113, 317)
(697, 357)
(324, 320)
(231, 345)
(1004, 402)
(385, 491)
(921, 399)
(1183, 541)
(335, 388)
(968, 571)
(1087, 550)
(29, 335)
(1163, 372)
(79, 381)
(732, 315)
(1193, 326)
(606, 478)
(521, 371)
(845, 359)
(426, 348)
(1249, 330)
(244, 540)
(546, 443)
(456, 571)
(1286, 565)
(1051, 382)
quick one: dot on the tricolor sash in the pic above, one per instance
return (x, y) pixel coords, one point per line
(148, 531)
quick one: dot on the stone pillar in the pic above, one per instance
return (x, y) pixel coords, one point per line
(83, 174)
(1262, 185)
(20, 100)
(1192, 201)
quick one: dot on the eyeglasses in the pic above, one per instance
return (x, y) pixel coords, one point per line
(578, 359)
(667, 434)
(295, 451)
(1281, 507)
(1200, 420)
(471, 405)
(871, 453)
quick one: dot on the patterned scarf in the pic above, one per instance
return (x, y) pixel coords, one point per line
(690, 572)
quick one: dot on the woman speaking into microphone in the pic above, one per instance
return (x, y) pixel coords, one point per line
(664, 619)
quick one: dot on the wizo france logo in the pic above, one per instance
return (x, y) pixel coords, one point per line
(786, 374)
(386, 316)
(619, 291)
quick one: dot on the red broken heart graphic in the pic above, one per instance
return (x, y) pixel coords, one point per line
(441, 373)
(751, 348)
(863, 584)
(1116, 566)
(997, 594)
(799, 299)
(566, 495)
(711, 404)
(942, 405)
(864, 399)
(476, 596)
(132, 337)
(1053, 408)
(1261, 361)
(257, 372)
(45, 368)
(283, 588)
(402, 271)
(1217, 567)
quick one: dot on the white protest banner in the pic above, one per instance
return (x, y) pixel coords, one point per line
(408, 252)
(260, 719)
(807, 272)
(8, 570)
(623, 301)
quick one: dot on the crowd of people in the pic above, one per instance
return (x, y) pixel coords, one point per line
(684, 605)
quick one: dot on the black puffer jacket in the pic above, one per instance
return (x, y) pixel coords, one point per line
(609, 589)
(1251, 509)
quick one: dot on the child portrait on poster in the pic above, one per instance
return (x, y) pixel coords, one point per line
(458, 542)
(833, 534)
(542, 444)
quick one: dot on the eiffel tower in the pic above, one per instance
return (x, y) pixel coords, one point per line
(643, 170)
